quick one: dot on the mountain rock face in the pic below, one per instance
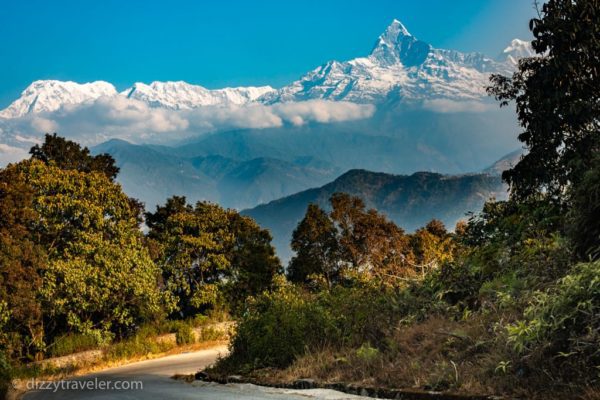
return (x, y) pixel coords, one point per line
(505, 163)
(51, 95)
(401, 66)
(409, 200)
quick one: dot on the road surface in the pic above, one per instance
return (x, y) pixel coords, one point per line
(151, 380)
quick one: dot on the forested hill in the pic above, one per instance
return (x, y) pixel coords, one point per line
(409, 200)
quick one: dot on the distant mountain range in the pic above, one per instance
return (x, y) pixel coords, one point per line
(409, 200)
(404, 67)
(399, 66)
(285, 188)
(154, 173)
(405, 107)
(51, 95)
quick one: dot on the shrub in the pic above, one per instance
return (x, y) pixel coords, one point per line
(367, 353)
(72, 343)
(209, 333)
(135, 347)
(283, 325)
(278, 327)
(563, 322)
(184, 335)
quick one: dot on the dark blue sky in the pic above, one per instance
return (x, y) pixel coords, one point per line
(227, 43)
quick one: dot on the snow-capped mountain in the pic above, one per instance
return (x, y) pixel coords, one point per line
(399, 65)
(182, 95)
(517, 49)
(51, 95)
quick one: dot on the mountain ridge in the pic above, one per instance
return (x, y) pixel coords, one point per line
(408, 200)
(152, 175)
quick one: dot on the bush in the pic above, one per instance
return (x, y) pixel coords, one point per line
(563, 322)
(209, 333)
(184, 335)
(283, 325)
(72, 343)
(278, 327)
(136, 347)
(366, 353)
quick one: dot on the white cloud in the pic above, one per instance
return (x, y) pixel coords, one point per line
(10, 154)
(447, 106)
(322, 111)
(119, 117)
(43, 125)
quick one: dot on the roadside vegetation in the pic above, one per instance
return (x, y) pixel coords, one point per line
(77, 273)
(508, 303)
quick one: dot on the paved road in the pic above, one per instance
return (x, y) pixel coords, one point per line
(150, 380)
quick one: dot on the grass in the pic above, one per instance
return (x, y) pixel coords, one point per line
(435, 354)
(72, 343)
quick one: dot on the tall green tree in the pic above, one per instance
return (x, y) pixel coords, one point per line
(22, 264)
(317, 249)
(557, 97)
(253, 260)
(99, 277)
(208, 255)
(67, 154)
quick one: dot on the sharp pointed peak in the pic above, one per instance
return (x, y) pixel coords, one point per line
(398, 27)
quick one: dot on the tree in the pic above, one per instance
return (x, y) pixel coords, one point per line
(22, 263)
(207, 253)
(584, 224)
(368, 241)
(193, 258)
(557, 96)
(253, 260)
(67, 154)
(317, 250)
(348, 243)
(99, 277)
(432, 246)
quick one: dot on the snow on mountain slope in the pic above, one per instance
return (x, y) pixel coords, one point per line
(399, 65)
(51, 95)
(517, 49)
(182, 95)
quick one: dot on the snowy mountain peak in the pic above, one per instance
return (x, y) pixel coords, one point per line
(400, 67)
(397, 28)
(51, 95)
(517, 49)
(397, 45)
